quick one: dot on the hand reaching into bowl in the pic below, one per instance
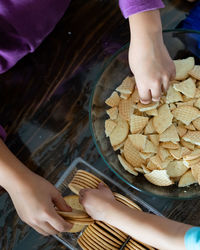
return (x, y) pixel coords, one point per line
(148, 57)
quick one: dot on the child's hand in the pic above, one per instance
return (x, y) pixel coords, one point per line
(97, 202)
(152, 66)
(34, 200)
(148, 57)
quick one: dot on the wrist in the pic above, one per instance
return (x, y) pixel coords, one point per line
(145, 24)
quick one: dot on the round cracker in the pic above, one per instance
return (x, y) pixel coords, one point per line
(76, 228)
(127, 200)
(104, 237)
(89, 174)
(97, 237)
(83, 244)
(75, 188)
(73, 214)
(117, 233)
(81, 183)
(85, 180)
(87, 177)
(91, 241)
(73, 202)
(107, 234)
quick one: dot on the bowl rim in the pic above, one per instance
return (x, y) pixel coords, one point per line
(107, 63)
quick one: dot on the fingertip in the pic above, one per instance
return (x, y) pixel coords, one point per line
(145, 101)
(156, 99)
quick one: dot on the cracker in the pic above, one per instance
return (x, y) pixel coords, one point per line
(109, 126)
(195, 72)
(146, 155)
(135, 96)
(83, 244)
(172, 106)
(120, 132)
(197, 94)
(186, 114)
(176, 169)
(131, 154)
(76, 228)
(173, 95)
(126, 109)
(84, 180)
(195, 169)
(183, 67)
(163, 120)
(190, 127)
(138, 141)
(150, 147)
(117, 147)
(196, 123)
(187, 144)
(87, 238)
(186, 103)
(114, 231)
(128, 167)
(193, 155)
(73, 214)
(104, 237)
(163, 153)
(108, 235)
(159, 178)
(153, 112)
(132, 204)
(124, 96)
(186, 179)
(127, 85)
(149, 129)
(176, 153)
(189, 163)
(187, 87)
(170, 134)
(146, 107)
(154, 139)
(170, 145)
(88, 174)
(155, 162)
(73, 202)
(113, 113)
(113, 100)
(75, 188)
(181, 130)
(197, 103)
(192, 137)
(137, 123)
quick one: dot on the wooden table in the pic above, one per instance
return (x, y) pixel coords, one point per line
(44, 106)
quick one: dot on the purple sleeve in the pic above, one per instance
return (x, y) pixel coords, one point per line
(23, 26)
(2, 133)
(130, 7)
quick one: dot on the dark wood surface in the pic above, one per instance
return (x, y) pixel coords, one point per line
(44, 102)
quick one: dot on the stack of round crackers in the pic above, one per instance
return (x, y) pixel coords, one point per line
(160, 140)
(97, 234)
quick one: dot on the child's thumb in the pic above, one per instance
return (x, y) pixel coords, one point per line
(60, 203)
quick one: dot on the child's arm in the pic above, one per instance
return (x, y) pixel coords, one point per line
(156, 231)
(33, 197)
(148, 57)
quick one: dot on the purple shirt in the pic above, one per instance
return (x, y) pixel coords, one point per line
(25, 23)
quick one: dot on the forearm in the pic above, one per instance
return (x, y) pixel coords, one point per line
(12, 171)
(156, 231)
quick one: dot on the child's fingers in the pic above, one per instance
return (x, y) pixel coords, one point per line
(60, 203)
(165, 83)
(156, 92)
(58, 223)
(49, 229)
(145, 95)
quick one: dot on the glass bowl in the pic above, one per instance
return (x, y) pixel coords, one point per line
(180, 44)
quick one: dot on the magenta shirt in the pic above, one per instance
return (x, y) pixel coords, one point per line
(25, 23)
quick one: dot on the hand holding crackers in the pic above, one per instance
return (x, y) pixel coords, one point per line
(156, 139)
